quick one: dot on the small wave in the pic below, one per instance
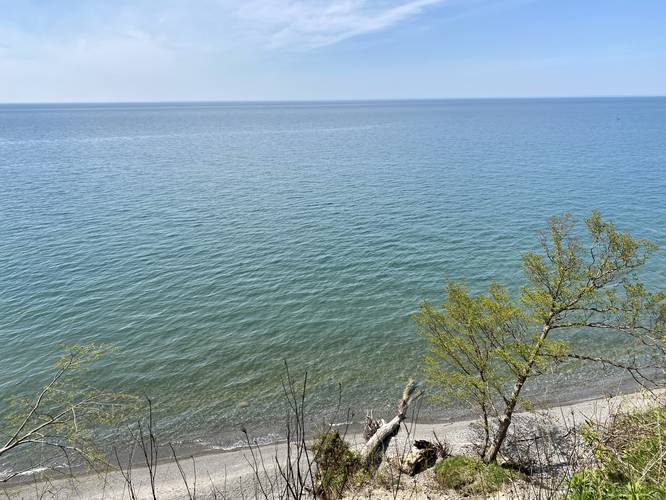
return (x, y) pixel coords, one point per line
(312, 130)
(6, 472)
(93, 140)
(260, 441)
(342, 424)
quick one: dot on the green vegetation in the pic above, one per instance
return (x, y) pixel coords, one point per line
(471, 476)
(631, 458)
(594, 484)
(338, 466)
(485, 348)
(63, 417)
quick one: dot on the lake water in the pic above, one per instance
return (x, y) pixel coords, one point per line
(212, 242)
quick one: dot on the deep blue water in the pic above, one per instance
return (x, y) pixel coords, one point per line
(210, 242)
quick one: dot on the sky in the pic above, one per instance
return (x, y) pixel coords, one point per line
(228, 50)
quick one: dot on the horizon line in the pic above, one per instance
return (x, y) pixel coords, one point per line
(334, 100)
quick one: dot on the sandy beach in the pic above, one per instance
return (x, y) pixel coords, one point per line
(230, 474)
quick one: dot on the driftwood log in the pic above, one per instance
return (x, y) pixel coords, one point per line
(380, 433)
(421, 456)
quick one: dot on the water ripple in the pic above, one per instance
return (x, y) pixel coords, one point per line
(211, 243)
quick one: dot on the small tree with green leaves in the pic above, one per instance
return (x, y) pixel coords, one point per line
(62, 417)
(485, 348)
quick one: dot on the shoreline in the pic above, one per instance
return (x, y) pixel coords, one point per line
(230, 470)
(625, 388)
(616, 385)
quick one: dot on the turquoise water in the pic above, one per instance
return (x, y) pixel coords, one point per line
(210, 242)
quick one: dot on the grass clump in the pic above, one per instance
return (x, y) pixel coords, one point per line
(338, 466)
(630, 458)
(471, 476)
(589, 484)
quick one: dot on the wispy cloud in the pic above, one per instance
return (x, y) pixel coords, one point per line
(213, 24)
(307, 24)
(156, 48)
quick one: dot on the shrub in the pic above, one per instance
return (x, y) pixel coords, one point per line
(471, 476)
(631, 461)
(338, 466)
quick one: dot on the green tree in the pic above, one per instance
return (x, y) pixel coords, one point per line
(485, 348)
(62, 417)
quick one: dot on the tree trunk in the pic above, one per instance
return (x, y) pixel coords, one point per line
(505, 419)
(504, 422)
